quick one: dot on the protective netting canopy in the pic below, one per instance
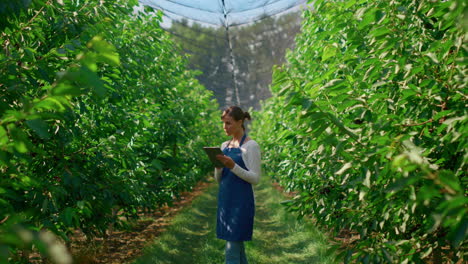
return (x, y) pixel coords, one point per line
(233, 43)
(222, 12)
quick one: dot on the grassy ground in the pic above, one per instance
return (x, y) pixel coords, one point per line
(278, 236)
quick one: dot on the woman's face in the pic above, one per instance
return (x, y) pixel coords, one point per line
(231, 126)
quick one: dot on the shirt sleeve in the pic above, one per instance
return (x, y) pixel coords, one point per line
(252, 161)
(217, 172)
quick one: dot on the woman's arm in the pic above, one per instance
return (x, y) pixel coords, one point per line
(252, 162)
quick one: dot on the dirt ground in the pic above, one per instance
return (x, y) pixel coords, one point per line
(126, 246)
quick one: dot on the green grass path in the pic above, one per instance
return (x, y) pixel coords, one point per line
(278, 236)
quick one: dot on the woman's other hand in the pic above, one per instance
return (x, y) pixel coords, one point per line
(227, 161)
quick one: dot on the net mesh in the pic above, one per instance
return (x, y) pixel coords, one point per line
(222, 12)
(234, 43)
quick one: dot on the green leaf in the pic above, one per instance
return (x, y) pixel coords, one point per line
(400, 184)
(449, 180)
(344, 168)
(368, 18)
(442, 114)
(426, 253)
(433, 57)
(157, 164)
(320, 128)
(20, 140)
(285, 89)
(68, 215)
(349, 3)
(106, 52)
(3, 136)
(380, 31)
(13, 116)
(40, 127)
(329, 51)
(66, 89)
(91, 79)
(148, 9)
(54, 103)
(4, 158)
(110, 58)
(428, 192)
(459, 233)
(335, 84)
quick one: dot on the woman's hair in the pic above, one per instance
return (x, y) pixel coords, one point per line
(237, 114)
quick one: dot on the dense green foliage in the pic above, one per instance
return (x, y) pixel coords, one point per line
(99, 117)
(368, 124)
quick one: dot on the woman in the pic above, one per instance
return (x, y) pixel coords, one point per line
(236, 206)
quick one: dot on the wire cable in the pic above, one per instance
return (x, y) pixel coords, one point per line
(233, 62)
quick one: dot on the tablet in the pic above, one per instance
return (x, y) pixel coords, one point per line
(212, 152)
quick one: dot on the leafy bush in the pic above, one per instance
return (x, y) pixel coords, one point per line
(99, 117)
(368, 124)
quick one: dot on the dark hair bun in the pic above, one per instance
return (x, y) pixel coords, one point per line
(236, 113)
(247, 116)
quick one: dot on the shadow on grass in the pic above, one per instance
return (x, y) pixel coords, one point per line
(191, 236)
(278, 236)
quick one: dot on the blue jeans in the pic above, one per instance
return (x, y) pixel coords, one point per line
(235, 252)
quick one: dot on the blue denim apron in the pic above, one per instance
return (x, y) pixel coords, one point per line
(236, 208)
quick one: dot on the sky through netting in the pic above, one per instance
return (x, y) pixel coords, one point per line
(222, 12)
(234, 43)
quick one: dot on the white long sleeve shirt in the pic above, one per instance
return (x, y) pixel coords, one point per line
(252, 159)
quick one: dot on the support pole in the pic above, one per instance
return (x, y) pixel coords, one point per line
(233, 62)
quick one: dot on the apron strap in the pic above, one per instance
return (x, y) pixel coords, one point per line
(242, 140)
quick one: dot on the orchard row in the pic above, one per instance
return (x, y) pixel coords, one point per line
(99, 119)
(370, 127)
